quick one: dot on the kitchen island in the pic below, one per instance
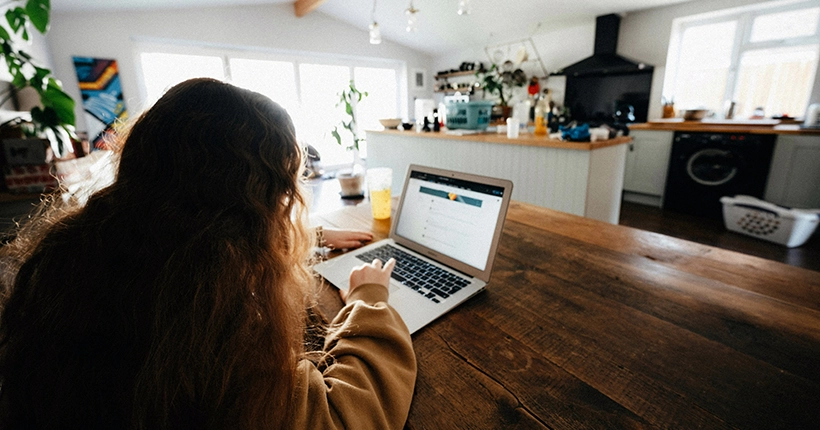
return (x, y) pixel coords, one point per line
(581, 178)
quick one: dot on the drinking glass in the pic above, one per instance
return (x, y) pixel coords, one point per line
(379, 180)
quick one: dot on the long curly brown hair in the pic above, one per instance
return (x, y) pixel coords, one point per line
(176, 297)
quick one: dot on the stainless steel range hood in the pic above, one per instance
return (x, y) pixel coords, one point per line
(605, 60)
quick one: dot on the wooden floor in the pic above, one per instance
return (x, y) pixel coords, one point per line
(714, 233)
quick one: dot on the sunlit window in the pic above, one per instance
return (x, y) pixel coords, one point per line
(274, 79)
(778, 79)
(762, 58)
(382, 101)
(308, 90)
(320, 85)
(708, 53)
(161, 71)
(785, 25)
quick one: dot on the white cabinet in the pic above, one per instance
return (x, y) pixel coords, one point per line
(794, 178)
(647, 162)
(586, 182)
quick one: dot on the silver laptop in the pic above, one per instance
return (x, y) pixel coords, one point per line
(444, 236)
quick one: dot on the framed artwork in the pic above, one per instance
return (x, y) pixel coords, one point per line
(418, 79)
(103, 102)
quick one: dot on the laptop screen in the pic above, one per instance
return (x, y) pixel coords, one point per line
(454, 217)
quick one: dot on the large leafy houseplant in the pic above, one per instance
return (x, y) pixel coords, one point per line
(348, 98)
(55, 119)
(492, 82)
(351, 180)
(501, 84)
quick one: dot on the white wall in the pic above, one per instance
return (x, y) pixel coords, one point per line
(644, 37)
(269, 27)
(38, 49)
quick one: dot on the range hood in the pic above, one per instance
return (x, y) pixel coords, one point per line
(604, 60)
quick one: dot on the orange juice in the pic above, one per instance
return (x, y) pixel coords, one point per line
(380, 202)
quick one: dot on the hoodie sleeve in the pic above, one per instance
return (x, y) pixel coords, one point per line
(371, 371)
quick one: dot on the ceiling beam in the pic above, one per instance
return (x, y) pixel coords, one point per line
(304, 7)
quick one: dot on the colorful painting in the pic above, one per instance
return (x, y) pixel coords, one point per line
(103, 101)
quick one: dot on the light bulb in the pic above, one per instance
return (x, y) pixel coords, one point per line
(375, 34)
(411, 17)
(463, 7)
(411, 22)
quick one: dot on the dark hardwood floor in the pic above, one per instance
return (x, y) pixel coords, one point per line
(713, 232)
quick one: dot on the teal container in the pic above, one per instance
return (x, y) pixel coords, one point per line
(474, 115)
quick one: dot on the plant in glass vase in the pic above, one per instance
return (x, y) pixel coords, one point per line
(346, 134)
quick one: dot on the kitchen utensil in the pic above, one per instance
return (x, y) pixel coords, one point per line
(521, 56)
(729, 109)
(498, 55)
(519, 77)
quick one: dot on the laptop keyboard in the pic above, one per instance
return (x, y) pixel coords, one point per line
(426, 279)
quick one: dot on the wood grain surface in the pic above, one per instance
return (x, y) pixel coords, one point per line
(525, 139)
(591, 325)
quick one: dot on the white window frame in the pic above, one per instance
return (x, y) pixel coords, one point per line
(745, 17)
(226, 52)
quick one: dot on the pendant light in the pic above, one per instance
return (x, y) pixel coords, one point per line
(375, 33)
(411, 17)
(463, 7)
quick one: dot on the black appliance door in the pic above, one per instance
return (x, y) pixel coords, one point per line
(713, 167)
(703, 167)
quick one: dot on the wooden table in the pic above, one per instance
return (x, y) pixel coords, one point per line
(585, 324)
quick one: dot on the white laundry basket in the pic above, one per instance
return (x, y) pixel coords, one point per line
(767, 221)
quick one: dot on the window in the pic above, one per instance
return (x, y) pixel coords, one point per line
(306, 87)
(760, 57)
(161, 71)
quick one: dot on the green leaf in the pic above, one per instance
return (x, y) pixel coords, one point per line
(38, 12)
(4, 34)
(62, 104)
(335, 134)
(18, 79)
(41, 73)
(16, 18)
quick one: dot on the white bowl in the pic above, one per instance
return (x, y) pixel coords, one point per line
(390, 123)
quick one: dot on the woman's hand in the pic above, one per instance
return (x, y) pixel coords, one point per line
(373, 273)
(345, 239)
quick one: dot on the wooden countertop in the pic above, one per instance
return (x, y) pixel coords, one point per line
(723, 126)
(523, 139)
(585, 324)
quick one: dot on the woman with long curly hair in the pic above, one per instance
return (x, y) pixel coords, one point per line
(180, 296)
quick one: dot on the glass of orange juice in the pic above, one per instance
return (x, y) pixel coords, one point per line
(379, 180)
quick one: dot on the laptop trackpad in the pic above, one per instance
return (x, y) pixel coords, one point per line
(393, 287)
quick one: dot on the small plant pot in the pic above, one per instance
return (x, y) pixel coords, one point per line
(351, 184)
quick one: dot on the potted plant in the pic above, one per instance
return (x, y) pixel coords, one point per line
(500, 84)
(346, 134)
(54, 119)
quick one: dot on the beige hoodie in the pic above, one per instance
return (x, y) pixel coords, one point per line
(372, 372)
